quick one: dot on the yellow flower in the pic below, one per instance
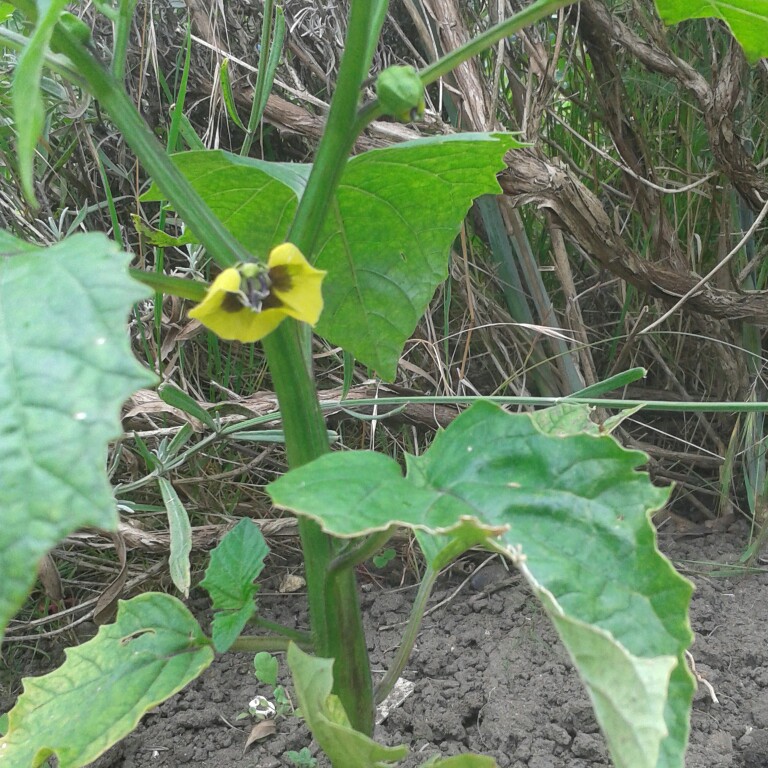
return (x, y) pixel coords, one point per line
(248, 301)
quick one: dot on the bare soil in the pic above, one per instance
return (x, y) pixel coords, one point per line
(491, 677)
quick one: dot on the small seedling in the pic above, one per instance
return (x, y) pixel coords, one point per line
(385, 556)
(302, 759)
(265, 667)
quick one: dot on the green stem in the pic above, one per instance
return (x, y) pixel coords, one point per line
(340, 132)
(334, 603)
(530, 15)
(445, 556)
(173, 286)
(303, 639)
(356, 553)
(219, 242)
(409, 636)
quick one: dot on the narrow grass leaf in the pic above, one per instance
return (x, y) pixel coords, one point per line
(229, 99)
(269, 57)
(623, 379)
(177, 398)
(181, 536)
(26, 94)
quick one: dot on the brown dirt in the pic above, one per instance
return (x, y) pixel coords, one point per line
(491, 677)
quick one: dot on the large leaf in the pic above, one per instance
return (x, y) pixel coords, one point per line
(105, 685)
(65, 368)
(572, 512)
(326, 718)
(747, 19)
(386, 241)
(230, 581)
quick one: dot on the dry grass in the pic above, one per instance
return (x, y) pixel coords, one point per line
(639, 148)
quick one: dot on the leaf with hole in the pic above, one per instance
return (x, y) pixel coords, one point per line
(152, 651)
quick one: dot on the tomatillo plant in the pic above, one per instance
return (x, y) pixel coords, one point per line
(357, 246)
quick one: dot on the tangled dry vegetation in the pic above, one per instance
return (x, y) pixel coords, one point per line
(618, 242)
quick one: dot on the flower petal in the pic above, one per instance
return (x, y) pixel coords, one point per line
(227, 282)
(302, 297)
(295, 291)
(241, 325)
(244, 325)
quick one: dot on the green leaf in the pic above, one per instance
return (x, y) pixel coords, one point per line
(461, 761)
(384, 557)
(747, 19)
(375, 496)
(265, 668)
(181, 536)
(572, 513)
(385, 249)
(105, 685)
(327, 720)
(6, 11)
(254, 199)
(27, 98)
(153, 236)
(229, 580)
(65, 368)
(177, 398)
(387, 240)
(229, 98)
(10, 245)
(618, 381)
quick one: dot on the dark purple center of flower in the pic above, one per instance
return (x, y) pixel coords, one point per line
(257, 293)
(232, 302)
(280, 280)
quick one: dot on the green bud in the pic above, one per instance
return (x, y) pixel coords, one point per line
(401, 93)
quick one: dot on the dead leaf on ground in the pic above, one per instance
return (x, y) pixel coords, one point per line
(261, 730)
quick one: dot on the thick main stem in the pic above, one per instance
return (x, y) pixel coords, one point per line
(334, 602)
